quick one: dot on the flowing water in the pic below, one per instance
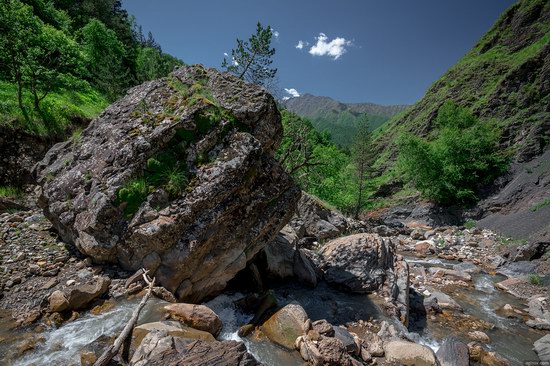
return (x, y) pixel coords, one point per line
(510, 337)
(63, 346)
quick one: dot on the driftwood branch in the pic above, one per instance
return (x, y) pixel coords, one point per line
(127, 331)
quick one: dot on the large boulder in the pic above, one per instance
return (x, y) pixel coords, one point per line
(365, 263)
(286, 325)
(177, 177)
(410, 354)
(158, 348)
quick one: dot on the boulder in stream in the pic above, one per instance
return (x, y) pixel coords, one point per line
(410, 354)
(286, 325)
(453, 353)
(160, 349)
(177, 177)
(365, 263)
(196, 316)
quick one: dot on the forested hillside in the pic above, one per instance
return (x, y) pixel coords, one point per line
(64, 61)
(341, 120)
(503, 83)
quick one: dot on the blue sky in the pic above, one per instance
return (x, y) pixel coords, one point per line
(381, 51)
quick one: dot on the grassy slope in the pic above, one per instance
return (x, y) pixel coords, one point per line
(60, 109)
(502, 78)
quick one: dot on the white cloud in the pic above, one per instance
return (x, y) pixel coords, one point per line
(334, 48)
(293, 93)
(301, 44)
(225, 54)
(275, 34)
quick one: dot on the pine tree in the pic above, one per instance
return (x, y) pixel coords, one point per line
(251, 60)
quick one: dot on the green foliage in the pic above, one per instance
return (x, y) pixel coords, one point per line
(462, 155)
(133, 194)
(104, 55)
(47, 74)
(251, 60)
(470, 224)
(35, 56)
(10, 192)
(317, 165)
(151, 64)
(535, 279)
(165, 170)
(539, 205)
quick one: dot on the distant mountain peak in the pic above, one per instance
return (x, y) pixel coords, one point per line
(338, 118)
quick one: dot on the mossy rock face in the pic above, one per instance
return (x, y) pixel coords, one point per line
(183, 167)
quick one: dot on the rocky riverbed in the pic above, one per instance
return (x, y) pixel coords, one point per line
(458, 287)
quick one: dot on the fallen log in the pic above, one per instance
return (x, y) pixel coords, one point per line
(127, 331)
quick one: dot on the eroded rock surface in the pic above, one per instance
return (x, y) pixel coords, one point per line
(177, 177)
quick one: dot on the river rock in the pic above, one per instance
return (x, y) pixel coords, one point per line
(323, 327)
(542, 348)
(160, 349)
(199, 317)
(453, 353)
(425, 247)
(286, 325)
(410, 354)
(57, 302)
(81, 295)
(485, 358)
(479, 336)
(346, 338)
(223, 131)
(445, 272)
(444, 301)
(319, 350)
(173, 328)
(539, 308)
(364, 263)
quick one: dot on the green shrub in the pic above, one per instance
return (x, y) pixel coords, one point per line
(461, 155)
(535, 279)
(133, 194)
(539, 205)
(469, 224)
(10, 192)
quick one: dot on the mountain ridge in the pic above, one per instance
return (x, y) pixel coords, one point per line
(338, 118)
